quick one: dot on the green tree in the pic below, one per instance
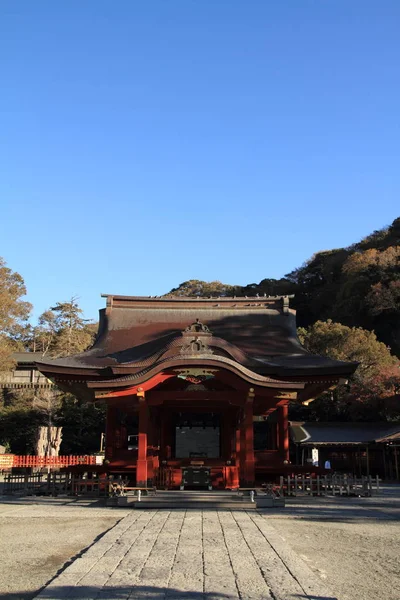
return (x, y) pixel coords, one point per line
(18, 429)
(63, 331)
(350, 344)
(198, 288)
(14, 312)
(373, 391)
(316, 285)
(82, 423)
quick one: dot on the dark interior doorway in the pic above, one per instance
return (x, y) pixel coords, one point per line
(197, 435)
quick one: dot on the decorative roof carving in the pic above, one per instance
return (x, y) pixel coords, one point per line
(197, 327)
(196, 345)
(196, 376)
(195, 338)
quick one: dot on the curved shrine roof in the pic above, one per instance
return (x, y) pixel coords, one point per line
(256, 334)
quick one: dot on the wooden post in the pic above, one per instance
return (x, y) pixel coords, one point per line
(150, 446)
(249, 470)
(367, 458)
(283, 432)
(242, 445)
(396, 463)
(166, 434)
(384, 461)
(237, 447)
(227, 429)
(141, 465)
(110, 432)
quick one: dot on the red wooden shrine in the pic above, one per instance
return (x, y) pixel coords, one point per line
(197, 390)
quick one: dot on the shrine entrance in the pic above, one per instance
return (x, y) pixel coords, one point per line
(197, 435)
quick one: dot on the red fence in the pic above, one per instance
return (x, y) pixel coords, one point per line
(7, 461)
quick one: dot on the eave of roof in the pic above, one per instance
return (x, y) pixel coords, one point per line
(26, 357)
(207, 361)
(342, 434)
(257, 334)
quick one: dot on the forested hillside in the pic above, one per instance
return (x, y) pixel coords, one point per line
(356, 286)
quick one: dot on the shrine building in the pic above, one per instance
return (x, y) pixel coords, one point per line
(197, 390)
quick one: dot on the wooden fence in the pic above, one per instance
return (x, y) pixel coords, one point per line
(9, 461)
(328, 485)
(55, 483)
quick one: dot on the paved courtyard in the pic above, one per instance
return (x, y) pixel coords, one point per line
(315, 548)
(192, 555)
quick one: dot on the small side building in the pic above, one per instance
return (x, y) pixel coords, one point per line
(359, 448)
(25, 374)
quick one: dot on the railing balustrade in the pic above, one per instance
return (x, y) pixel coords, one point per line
(328, 485)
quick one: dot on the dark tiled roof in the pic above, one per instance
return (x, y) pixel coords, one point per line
(258, 333)
(27, 357)
(342, 433)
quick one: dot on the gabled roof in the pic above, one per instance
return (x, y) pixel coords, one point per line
(316, 433)
(258, 334)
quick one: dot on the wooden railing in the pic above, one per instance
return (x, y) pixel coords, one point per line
(328, 485)
(9, 461)
(55, 483)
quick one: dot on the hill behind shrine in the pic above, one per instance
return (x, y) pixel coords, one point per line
(357, 286)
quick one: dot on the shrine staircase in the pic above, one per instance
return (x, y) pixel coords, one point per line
(197, 499)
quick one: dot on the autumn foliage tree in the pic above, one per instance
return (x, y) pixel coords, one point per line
(356, 286)
(373, 392)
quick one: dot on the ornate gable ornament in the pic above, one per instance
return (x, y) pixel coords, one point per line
(195, 338)
(196, 327)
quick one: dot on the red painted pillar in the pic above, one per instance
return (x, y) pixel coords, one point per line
(166, 434)
(283, 431)
(110, 433)
(150, 449)
(249, 470)
(237, 445)
(226, 434)
(141, 465)
(237, 450)
(242, 448)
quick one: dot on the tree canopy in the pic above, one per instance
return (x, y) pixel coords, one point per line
(195, 287)
(373, 392)
(62, 330)
(358, 286)
(14, 312)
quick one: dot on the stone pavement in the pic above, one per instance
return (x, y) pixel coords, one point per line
(188, 555)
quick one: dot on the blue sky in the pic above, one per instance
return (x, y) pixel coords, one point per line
(144, 143)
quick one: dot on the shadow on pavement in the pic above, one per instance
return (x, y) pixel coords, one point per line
(139, 592)
(345, 514)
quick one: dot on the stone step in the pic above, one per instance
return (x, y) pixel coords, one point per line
(182, 504)
(188, 495)
(218, 499)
